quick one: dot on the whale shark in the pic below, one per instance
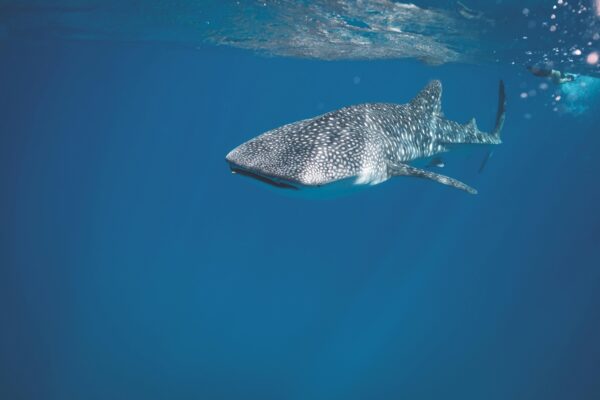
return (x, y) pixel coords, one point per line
(363, 145)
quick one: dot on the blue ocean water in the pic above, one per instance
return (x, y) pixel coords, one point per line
(134, 265)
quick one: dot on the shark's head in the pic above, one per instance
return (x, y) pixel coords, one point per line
(254, 159)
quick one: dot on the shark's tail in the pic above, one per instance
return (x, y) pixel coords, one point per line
(500, 115)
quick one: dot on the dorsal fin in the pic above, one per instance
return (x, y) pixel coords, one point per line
(472, 126)
(429, 100)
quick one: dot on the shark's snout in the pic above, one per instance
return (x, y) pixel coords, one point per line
(245, 162)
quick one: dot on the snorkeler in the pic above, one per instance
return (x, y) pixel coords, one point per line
(554, 75)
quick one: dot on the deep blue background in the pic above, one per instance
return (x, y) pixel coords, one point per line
(134, 265)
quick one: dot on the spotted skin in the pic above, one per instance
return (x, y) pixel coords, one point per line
(368, 143)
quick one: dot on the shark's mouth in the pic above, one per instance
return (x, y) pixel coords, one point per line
(268, 180)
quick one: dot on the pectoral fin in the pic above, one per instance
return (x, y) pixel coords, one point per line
(407, 170)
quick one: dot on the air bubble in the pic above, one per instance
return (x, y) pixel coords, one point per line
(592, 58)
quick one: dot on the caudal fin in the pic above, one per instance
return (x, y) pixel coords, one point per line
(500, 115)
